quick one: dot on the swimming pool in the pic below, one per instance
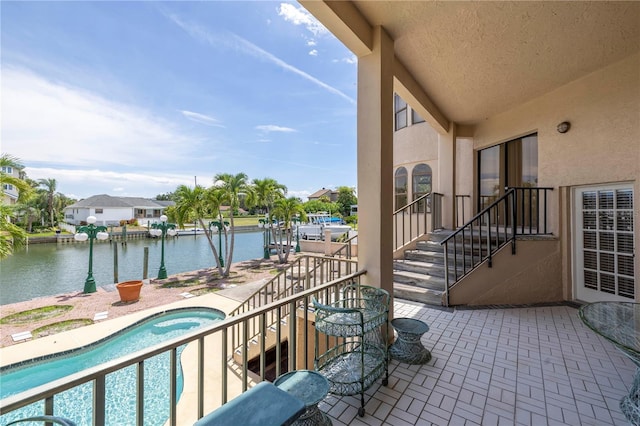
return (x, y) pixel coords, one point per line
(76, 403)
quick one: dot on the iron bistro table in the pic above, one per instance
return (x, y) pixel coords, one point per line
(310, 387)
(619, 322)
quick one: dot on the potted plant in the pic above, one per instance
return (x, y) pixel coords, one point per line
(129, 290)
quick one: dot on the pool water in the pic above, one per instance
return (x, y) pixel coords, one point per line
(76, 404)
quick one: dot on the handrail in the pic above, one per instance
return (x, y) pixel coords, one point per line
(417, 222)
(274, 286)
(346, 246)
(520, 211)
(460, 202)
(211, 341)
(323, 269)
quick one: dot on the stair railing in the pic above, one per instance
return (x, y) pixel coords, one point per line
(520, 211)
(345, 249)
(304, 273)
(461, 201)
(411, 221)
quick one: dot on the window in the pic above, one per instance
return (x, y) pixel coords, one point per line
(511, 164)
(415, 117)
(99, 211)
(401, 187)
(421, 179)
(7, 187)
(8, 170)
(401, 112)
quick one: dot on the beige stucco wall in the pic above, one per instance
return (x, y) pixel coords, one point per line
(532, 275)
(602, 146)
(415, 142)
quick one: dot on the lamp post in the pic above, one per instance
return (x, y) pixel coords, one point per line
(218, 228)
(296, 221)
(161, 230)
(90, 232)
(263, 224)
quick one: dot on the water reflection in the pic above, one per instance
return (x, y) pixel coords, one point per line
(49, 269)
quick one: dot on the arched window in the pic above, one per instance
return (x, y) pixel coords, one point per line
(421, 178)
(401, 187)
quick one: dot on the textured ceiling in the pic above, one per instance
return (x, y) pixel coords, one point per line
(477, 59)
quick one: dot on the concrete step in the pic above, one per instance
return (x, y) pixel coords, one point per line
(417, 294)
(419, 280)
(427, 268)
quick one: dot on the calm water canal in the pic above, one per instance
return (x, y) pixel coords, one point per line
(49, 269)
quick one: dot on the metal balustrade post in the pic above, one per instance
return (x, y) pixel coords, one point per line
(446, 272)
(140, 394)
(225, 379)
(489, 251)
(173, 380)
(99, 406)
(201, 376)
(514, 226)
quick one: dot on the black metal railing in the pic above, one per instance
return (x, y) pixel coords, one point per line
(412, 221)
(461, 206)
(520, 211)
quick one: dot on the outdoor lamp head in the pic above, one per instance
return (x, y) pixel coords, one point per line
(91, 220)
(102, 235)
(171, 232)
(163, 218)
(81, 236)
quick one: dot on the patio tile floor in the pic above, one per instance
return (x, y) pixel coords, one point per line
(507, 366)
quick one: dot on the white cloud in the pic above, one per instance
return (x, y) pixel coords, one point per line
(313, 52)
(256, 51)
(311, 43)
(83, 183)
(45, 121)
(274, 128)
(299, 16)
(302, 194)
(245, 46)
(353, 59)
(201, 118)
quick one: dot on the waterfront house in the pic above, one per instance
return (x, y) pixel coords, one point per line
(328, 193)
(110, 210)
(10, 192)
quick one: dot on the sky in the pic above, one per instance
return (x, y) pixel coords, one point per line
(136, 98)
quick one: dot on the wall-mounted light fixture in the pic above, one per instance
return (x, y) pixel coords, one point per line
(564, 127)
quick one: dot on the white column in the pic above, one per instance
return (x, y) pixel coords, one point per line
(375, 162)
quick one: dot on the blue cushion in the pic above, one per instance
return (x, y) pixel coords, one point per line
(262, 405)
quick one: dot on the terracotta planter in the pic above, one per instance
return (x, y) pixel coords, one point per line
(129, 290)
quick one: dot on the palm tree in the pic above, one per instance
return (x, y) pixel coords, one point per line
(50, 186)
(232, 189)
(11, 236)
(266, 191)
(196, 204)
(284, 210)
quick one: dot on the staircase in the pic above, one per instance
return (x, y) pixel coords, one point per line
(420, 275)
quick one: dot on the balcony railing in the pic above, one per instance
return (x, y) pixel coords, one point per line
(520, 211)
(417, 218)
(218, 377)
(304, 273)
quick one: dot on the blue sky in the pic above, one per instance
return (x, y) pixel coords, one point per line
(136, 98)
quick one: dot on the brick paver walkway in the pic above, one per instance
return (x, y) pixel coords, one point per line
(517, 366)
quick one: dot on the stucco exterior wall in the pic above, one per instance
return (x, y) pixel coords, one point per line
(603, 144)
(416, 141)
(532, 275)
(601, 147)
